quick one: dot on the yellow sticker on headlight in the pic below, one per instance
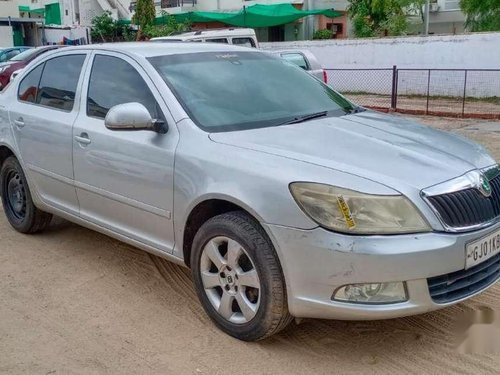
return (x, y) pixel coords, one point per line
(344, 208)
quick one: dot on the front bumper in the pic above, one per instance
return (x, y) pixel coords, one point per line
(316, 262)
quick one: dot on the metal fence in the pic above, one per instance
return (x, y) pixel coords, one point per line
(473, 93)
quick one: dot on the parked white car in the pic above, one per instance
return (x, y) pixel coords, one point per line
(238, 36)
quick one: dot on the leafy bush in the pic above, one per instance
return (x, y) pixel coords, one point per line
(323, 34)
(105, 29)
(166, 26)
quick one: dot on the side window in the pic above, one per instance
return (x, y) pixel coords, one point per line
(28, 88)
(113, 81)
(246, 42)
(60, 77)
(217, 40)
(9, 55)
(297, 59)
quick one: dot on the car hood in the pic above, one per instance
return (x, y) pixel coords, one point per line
(386, 149)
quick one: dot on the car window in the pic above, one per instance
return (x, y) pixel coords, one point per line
(9, 54)
(246, 42)
(60, 77)
(296, 58)
(29, 85)
(114, 81)
(217, 40)
(25, 55)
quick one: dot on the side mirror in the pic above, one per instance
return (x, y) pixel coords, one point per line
(132, 117)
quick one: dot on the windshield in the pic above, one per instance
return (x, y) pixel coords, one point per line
(25, 54)
(223, 91)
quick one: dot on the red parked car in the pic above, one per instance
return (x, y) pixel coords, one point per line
(19, 62)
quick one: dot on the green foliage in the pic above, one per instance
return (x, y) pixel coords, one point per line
(382, 17)
(145, 14)
(482, 15)
(105, 29)
(166, 26)
(323, 34)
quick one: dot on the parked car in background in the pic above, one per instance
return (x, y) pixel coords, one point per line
(306, 60)
(284, 198)
(237, 36)
(8, 53)
(20, 61)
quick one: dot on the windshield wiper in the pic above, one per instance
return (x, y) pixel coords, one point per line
(304, 118)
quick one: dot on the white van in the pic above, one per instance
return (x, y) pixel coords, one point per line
(237, 36)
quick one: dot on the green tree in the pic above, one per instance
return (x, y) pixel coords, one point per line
(144, 16)
(104, 28)
(481, 15)
(167, 25)
(382, 17)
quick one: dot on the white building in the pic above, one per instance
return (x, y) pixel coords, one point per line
(445, 17)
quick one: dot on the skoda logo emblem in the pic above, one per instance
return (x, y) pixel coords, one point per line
(484, 186)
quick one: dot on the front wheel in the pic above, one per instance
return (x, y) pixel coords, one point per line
(18, 206)
(238, 277)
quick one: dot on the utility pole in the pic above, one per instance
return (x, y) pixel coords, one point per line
(427, 7)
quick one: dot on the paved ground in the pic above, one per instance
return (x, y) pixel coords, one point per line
(76, 302)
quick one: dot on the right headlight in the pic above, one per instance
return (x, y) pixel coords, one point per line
(349, 211)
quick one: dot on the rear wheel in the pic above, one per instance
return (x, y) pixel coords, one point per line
(18, 206)
(238, 277)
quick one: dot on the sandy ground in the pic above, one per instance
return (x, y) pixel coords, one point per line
(76, 302)
(453, 106)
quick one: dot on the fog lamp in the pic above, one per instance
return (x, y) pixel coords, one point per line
(372, 293)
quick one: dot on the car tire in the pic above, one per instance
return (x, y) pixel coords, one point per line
(238, 277)
(17, 203)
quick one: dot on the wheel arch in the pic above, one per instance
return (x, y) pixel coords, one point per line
(5, 153)
(204, 210)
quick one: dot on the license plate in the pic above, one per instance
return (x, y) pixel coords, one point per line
(480, 250)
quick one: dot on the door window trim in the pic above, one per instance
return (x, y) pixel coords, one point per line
(165, 111)
(78, 89)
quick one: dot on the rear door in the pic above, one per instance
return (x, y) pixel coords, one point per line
(42, 118)
(124, 179)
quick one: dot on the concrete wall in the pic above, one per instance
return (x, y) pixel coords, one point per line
(6, 39)
(480, 51)
(474, 51)
(56, 36)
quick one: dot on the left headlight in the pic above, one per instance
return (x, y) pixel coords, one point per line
(349, 211)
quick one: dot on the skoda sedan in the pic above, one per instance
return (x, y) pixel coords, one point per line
(282, 197)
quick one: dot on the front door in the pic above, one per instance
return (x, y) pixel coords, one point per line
(124, 179)
(43, 117)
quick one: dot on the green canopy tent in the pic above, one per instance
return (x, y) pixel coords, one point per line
(253, 16)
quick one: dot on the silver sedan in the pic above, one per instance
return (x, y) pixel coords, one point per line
(284, 198)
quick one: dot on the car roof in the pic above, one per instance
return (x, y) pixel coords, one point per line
(150, 49)
(224, 32)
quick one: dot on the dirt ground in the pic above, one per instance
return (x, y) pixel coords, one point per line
(73, 301)
(439, 105)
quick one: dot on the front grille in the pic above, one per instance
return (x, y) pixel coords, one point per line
(461, 284)
(468, 207)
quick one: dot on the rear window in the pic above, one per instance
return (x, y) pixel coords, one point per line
(217, 40)
(297, 59)
(28, 88)
(245, 42)
(59, 80)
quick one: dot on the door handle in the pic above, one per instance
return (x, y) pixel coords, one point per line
(19, 123)
(83, 139)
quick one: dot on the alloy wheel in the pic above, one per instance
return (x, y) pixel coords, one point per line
(230, 280)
